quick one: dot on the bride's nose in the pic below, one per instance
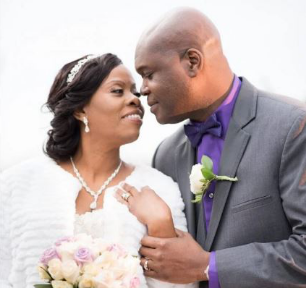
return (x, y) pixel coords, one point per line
(134, 100)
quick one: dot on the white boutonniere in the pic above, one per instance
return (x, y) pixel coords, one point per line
(202, 175)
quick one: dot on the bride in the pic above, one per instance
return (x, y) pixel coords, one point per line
(78, 187)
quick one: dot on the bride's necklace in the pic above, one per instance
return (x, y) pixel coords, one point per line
(94, 194)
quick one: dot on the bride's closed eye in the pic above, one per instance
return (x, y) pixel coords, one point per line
(117, 91)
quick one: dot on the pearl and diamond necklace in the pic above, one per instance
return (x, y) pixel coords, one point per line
(94, 194)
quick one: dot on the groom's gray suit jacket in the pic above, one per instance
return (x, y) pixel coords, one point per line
(258, 224)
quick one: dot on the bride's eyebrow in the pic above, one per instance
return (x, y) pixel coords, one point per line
(112, 82)
(115, 82)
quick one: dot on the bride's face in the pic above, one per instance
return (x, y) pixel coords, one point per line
(115, 112)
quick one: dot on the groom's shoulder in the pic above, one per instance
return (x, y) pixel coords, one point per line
(280, 111)
(164, 157)
(171, 142)
(269, 106)
(277, 102)
(273, 102)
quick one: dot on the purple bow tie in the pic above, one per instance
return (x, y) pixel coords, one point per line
(196, 130)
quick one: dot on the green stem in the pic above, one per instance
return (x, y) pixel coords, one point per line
(226, 178)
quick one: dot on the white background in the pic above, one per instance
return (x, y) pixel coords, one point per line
(264, 40)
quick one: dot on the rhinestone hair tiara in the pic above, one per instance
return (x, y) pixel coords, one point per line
(76, 68)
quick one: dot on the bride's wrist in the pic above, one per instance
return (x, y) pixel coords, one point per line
(163, 228)
(159, 218)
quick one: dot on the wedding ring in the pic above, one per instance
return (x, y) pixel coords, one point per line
(145, 265)
(125, 196)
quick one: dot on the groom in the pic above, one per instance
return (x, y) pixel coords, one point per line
(251, 233)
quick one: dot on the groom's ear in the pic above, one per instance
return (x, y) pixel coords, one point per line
(192, 62)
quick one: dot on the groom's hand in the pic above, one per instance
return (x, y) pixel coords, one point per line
(176, 260)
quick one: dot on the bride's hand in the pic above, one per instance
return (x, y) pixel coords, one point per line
(146, 205)
(148, 208)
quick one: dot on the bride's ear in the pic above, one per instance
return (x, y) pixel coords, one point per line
(79, 115)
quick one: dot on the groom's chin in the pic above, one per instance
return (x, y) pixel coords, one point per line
(162, 118)
(169, 120)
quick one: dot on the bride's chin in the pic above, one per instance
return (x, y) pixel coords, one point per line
(130, 138)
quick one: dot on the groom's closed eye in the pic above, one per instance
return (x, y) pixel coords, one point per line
(137, 94)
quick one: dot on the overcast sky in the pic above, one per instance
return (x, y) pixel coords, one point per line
(264, 40)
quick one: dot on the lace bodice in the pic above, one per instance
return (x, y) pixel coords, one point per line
(116, 224)
(90, 223)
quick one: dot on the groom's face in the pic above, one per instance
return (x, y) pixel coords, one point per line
(165, 83)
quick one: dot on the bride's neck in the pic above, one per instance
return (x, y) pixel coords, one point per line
(97, 159)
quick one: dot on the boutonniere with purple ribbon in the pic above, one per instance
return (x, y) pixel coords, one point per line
(201, 177)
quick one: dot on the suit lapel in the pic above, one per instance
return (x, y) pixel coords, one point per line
(185, 157)
(233, 150)
(201, 227)
(234, 146)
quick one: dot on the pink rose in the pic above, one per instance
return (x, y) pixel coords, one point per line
(83, 255)
(62, 240)
(48, 255)
(117, 249)
(135, 282)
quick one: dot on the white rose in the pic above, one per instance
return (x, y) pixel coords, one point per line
(43, 274)
(86, 281)
(99, 246)
(55, 269)
(61, 284)
(91, 269)
(107, 279)
(66, 250)
(106, 260)
(70, 271)
(195, 177)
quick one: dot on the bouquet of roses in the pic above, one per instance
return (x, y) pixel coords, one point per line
(84, 262)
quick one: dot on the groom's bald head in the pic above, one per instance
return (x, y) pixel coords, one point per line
(183, 52)
(180, 29)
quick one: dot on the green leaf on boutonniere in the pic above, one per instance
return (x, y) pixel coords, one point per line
(47, 285)
(207, 162)
(208, 174)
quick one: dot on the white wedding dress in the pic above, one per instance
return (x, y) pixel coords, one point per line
(37, 207)
(115, 223)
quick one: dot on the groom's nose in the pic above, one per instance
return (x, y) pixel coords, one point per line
(144, 90)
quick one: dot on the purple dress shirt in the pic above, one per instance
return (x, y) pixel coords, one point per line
(212, 146)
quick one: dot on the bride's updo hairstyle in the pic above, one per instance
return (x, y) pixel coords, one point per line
(72, 89)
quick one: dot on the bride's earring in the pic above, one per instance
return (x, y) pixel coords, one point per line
(85, 120)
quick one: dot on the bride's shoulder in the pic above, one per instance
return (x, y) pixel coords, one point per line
(28, 168)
